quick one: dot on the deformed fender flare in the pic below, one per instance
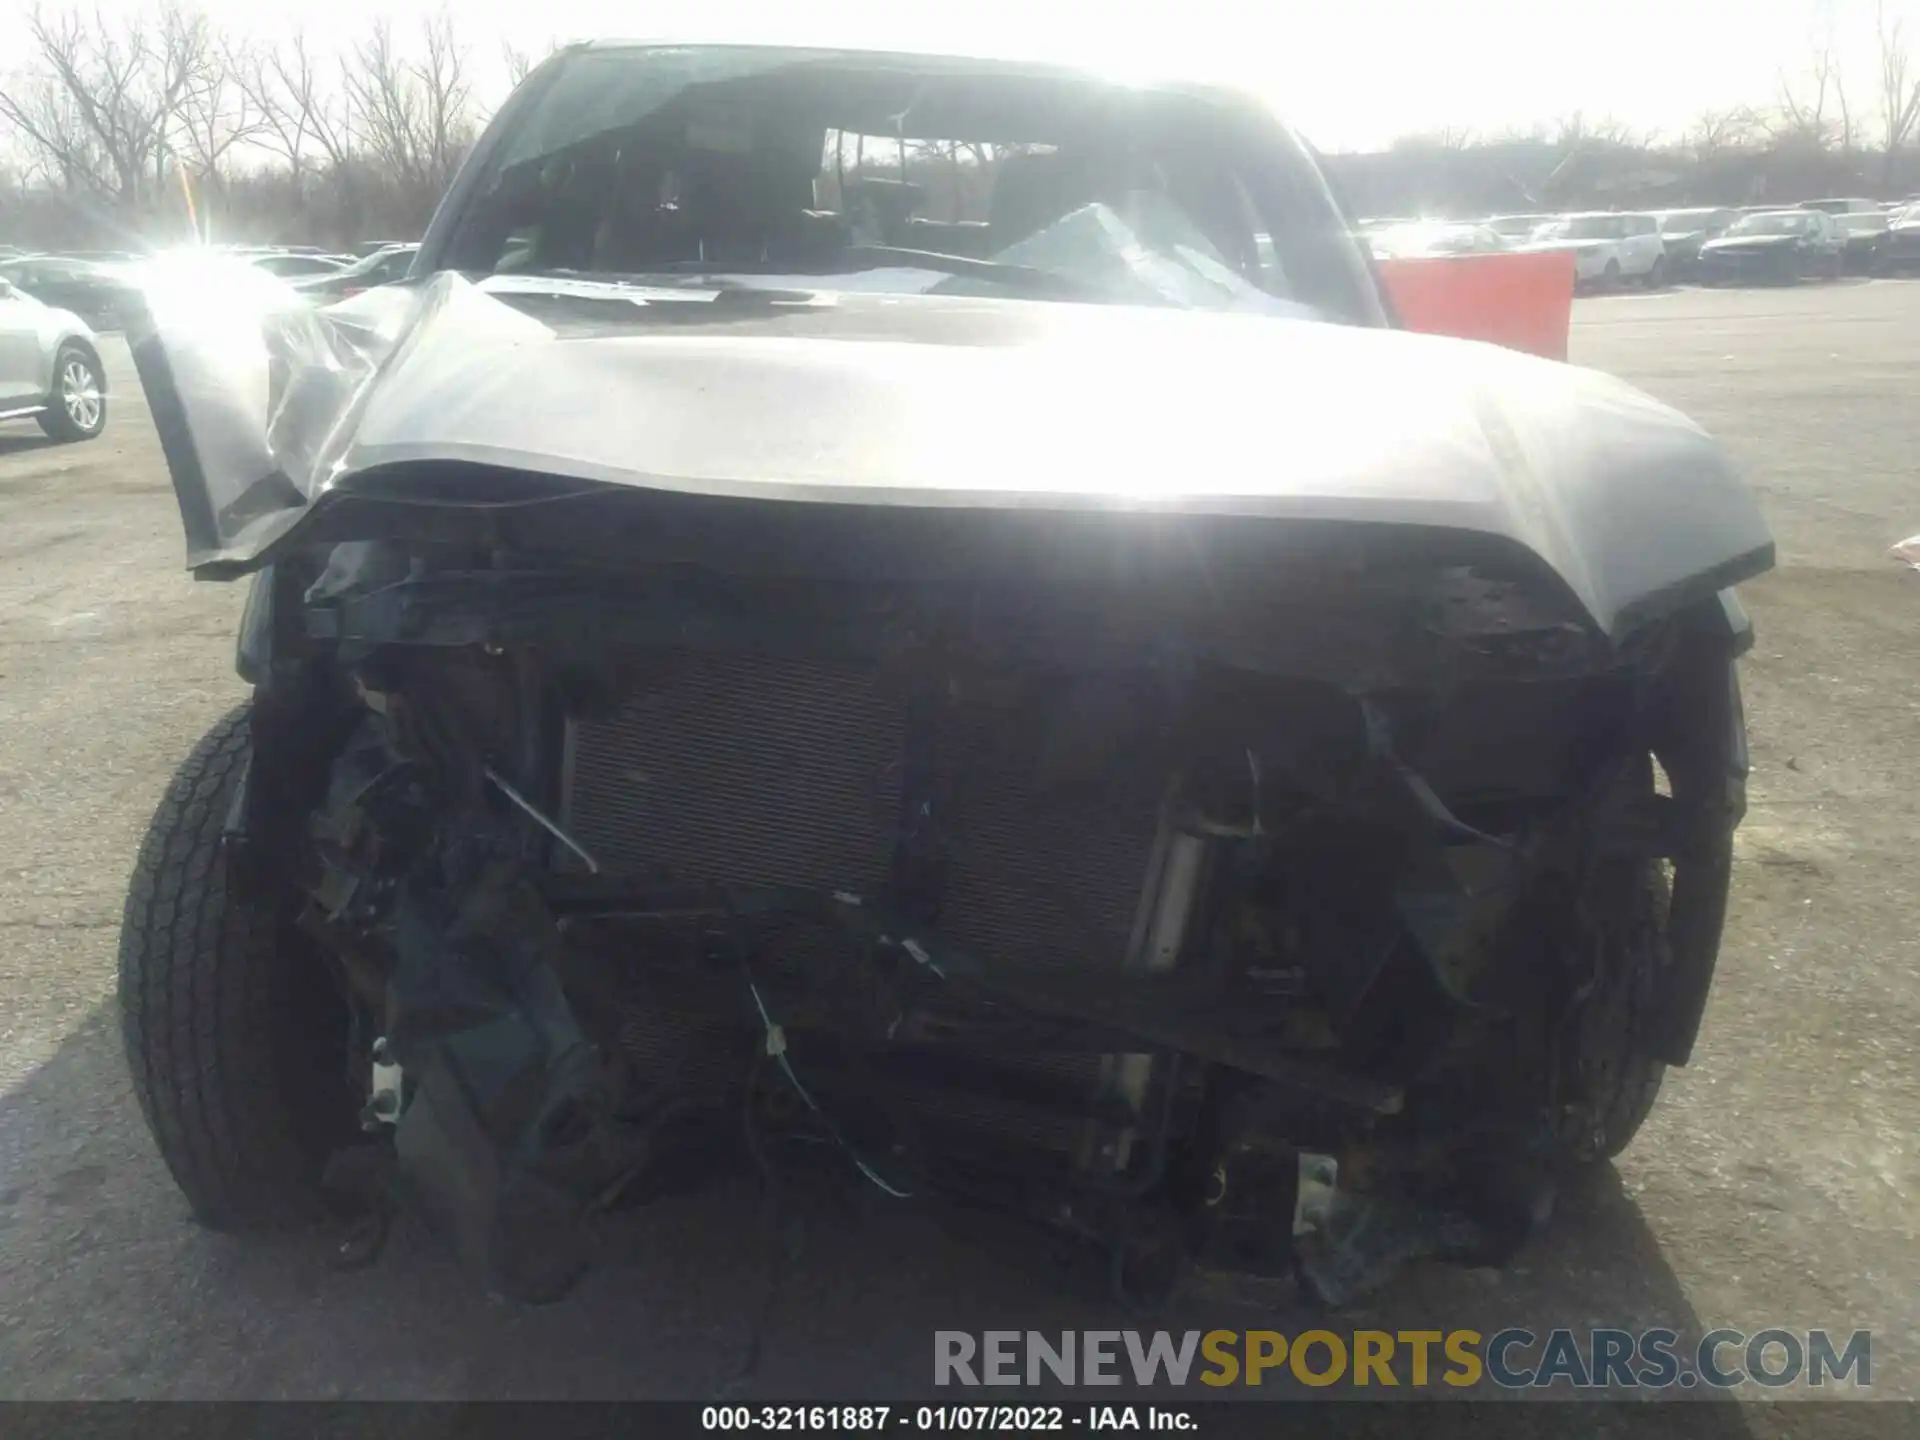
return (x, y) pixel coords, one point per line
(1700, 739)
(256, 644)
(302, 714)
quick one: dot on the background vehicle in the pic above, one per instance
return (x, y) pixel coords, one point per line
(1517, 227)
(1862, 233)
(676, 722)
(1850, 206)
(1899, 249)
(96, 291)
(291, 266)
(1608, 248)
(50, 368)
(1683, 232)
(1774, 245)
(380, 268)
(1406, 242)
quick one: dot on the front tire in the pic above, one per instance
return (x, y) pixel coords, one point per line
(1611, 1081)
(77, 408)
(234, 1031)
(1657, 276)
(1610, 277)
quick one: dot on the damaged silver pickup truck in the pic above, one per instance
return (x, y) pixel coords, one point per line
(918, 614)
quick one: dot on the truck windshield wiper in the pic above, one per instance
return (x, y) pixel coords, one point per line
(610, 283)
(1021, 279)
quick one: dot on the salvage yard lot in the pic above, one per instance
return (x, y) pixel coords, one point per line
(1777, 1183)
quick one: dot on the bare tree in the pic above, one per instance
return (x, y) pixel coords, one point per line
(1570, 131)
(55, 139)
(1611, 132)
(1899, 91)
(1576, 131)
(301, 119)
(446, 91)
(104, 92)
(1804, 117)
(214, 113)
(520, 60)
(414, 116)
(1714, 132)
(1532, 133)
(386, 105)
(1447, 137)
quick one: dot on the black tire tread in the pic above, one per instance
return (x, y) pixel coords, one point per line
(198, 993)
(1633, 1102)
(1637, 1085)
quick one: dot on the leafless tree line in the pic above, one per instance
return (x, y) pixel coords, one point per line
(1817, 110)
(138, 122)
(1825, 130)
(144, 122)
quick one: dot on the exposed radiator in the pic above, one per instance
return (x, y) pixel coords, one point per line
(763, 770)
(742, 770)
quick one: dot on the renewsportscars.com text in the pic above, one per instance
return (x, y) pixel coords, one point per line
(1511, 1359)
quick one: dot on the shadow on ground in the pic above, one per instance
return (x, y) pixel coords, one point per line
(144, 1303)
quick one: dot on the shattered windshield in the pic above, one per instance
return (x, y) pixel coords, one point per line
(822, 171)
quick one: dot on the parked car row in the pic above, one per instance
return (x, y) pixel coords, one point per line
(1774, 245)
(381, 267)
(1899, 248)
(1707, 245)
(96, 285)
(95, 290)
(1609, 249)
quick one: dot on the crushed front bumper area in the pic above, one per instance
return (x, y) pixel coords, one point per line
(1261, 975)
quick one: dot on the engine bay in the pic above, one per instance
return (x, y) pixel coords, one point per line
(1026, 906)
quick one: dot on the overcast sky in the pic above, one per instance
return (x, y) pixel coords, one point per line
(1351, 74)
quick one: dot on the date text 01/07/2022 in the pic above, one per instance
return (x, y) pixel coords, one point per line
(978, 1419)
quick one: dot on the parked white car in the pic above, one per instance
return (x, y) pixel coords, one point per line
(50, 368)
(1608, 248)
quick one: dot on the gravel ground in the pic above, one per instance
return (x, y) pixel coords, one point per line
(1775, 1184)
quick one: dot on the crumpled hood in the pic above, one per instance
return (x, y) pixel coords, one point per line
(887, 399)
